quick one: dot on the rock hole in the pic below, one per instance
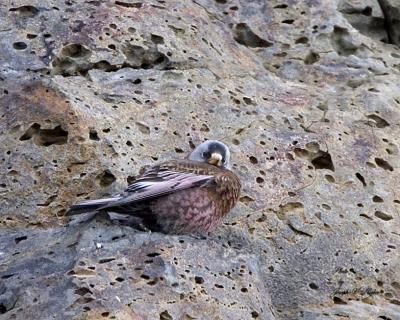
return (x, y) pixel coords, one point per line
(383, 164)
(262, 218)
(302, 40)
(342, 41)
(246, 200)
(204, 128)
(379, 122)
(259, 180)
(247, 100)
(377, 199)
(152, 282)
(313, 286)
(245, 36)
(325, 206)
(33, 129)
(26, 11)
(19, 45)
(48, 137)
(165, 315)
(289, 156)
(106, 260)
(159, 60)
(361, 178)
(105, 314)
(198, 280)
(311, 58)
(153, 254)
(144, 58)
(301, 153)
(104, 66)
(323, 161)
(93, 135)
(281, 6)
(45, 137)
(157, 39)
(395, 285)
(106, 178)
(143, 128)
(253, 160)
(236, 142)
(82, 291)
(178, 31)
(367, 11)
(288, 21)
(365, 216)
(19, 239)
(136, 5)
(119, 279)
(382, 215)
(330, 178)
(75, 50)
(130, 179)
(296, 208)
(3, 308)
(337, 300)
(254, 314)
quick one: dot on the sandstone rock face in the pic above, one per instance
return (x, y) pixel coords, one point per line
(305, 92)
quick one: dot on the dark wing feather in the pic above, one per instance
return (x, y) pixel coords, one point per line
(157, 183)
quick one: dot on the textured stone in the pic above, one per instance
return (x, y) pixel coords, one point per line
(103, 269)
(391, 11)
(304, 93)
(366, 16)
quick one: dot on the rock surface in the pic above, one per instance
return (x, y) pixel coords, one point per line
(305, 92)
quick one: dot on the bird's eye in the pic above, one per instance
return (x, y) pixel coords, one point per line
(205, 155)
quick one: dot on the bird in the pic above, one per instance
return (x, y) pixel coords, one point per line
(187, 196)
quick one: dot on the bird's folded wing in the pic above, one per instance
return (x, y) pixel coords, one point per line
(154, 184)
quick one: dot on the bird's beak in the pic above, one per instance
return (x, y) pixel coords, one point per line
(215, 159)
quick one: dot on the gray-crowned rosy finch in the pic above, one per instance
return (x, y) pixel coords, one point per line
(178, 196)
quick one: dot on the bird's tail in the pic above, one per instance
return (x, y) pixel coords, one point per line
(89, 205)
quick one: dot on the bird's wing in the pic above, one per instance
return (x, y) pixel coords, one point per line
(158, 182)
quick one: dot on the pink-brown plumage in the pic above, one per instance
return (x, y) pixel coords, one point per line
(178, 197)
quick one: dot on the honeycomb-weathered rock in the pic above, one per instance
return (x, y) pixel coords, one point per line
(306, 94)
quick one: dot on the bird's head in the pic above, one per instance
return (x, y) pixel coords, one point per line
(212, 152)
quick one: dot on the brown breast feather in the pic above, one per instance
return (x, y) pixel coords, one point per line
(197, 209)
(226, 189)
